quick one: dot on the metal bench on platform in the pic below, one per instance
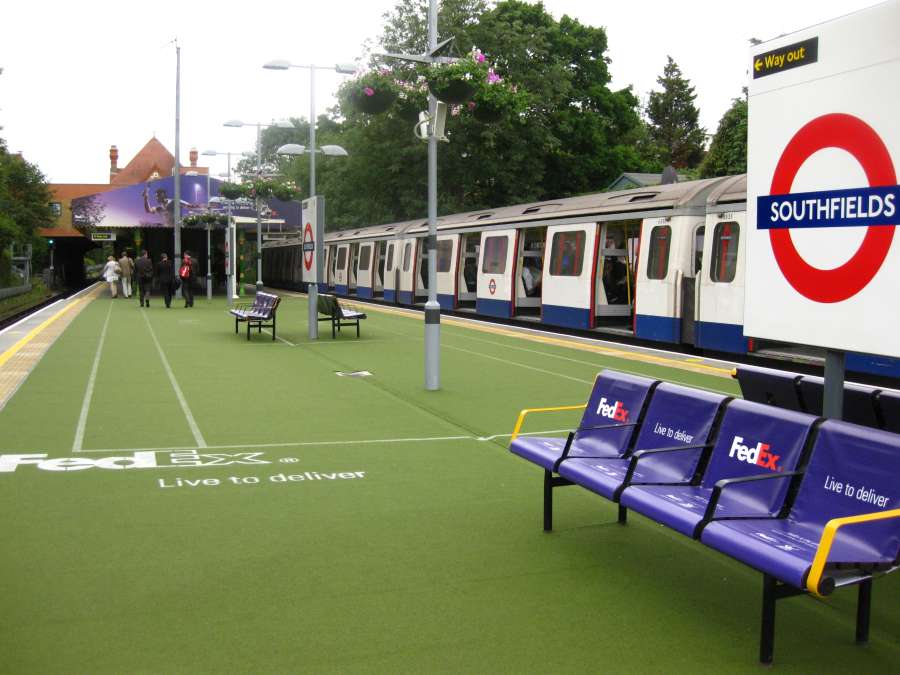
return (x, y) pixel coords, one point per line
(260, 314)
(337, 315)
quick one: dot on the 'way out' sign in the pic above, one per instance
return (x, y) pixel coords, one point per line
(822, 188)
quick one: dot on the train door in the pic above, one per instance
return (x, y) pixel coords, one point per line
(567, 290)
(364, 285)
(421, 276)
(665, 259)
(407, 263)
(391, 271)
(614, 283)
(689, 290)
(447, 270)
(720, 315)
(330, 265)
(496, 290)
(341, 270)
(467, 269)
(352, 268)
(378, 269)
(530, 264)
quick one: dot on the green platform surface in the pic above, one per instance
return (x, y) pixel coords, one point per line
(409, 539)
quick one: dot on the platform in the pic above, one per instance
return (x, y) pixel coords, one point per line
(280, 516)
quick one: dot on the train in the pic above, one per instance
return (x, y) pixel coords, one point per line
(664, 264)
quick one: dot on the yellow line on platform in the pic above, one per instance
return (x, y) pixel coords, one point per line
(683, 364)
(34, 332)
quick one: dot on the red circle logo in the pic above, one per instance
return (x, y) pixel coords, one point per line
(851, 134)
(308, 256)
(492, 286)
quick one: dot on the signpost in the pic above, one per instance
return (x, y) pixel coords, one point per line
(313, 217)
(822, 195)
(103, 236)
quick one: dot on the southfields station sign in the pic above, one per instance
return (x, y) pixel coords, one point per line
(823, 198)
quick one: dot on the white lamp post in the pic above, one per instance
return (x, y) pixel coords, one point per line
(295, 149)
(259, 126)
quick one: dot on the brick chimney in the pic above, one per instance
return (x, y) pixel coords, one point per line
(193, 157)
(113, 162)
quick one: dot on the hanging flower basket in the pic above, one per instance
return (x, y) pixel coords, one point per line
(451, 90)
(497, 99)
(371, 101)
(371, 93)
(489, 113)
(408, 108)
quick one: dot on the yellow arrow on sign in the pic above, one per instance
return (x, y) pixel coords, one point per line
(758, 64)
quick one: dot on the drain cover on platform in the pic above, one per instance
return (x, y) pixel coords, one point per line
(355, 373)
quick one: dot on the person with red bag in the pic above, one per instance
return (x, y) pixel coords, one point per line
(188, 275)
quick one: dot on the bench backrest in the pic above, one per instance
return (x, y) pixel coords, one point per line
(859, 400)
(265, 303)
(754, 439)
(677, 416)
(327, 304)
(617, 398)
(765, 385)
(853, 470)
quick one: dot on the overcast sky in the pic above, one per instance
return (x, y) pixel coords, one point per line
(81, 76)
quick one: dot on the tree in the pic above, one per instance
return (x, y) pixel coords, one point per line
(728, 151)
(674, 120)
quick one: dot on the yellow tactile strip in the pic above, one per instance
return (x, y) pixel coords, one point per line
(17, 362)
(562, 341)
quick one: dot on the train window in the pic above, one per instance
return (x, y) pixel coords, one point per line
(365, 255)
(567, 254)
(407, 256)
(724, 252)
(342, 258)
(495, 255)
(698, 248)
(658, 256)
(444, 254)
(390, 258)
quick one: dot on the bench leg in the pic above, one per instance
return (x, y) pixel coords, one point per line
(623, 515)
(332, 329)
(863, 611)
(248, 331)
(548, 501)
(235, 326)
(357, 328)
(273, 328)
(772, 592)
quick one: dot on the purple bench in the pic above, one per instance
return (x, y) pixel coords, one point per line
(853, 471)
(260, 314)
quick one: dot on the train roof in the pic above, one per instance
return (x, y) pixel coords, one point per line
(671, 199)
(732, 191)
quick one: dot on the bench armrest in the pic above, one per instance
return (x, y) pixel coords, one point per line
(636, 457)
(527, 411)
(720, 486)
(824, 586)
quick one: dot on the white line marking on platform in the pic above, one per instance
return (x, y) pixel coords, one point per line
(280, 339)
(303, 444)
(515, 363)
(89, 390)
(182, 401)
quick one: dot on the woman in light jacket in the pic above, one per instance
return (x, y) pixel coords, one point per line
(111, 274)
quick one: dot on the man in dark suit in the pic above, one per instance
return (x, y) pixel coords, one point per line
(143, 269)
(166, 276)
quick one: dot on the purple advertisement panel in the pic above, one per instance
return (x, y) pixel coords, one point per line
(152, 204)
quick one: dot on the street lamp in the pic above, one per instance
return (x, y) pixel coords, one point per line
(259, 126)
(295, 149)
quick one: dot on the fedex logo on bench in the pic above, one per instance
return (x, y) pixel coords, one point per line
(758, 455)
(615, 411)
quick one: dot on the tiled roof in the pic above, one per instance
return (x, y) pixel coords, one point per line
(153, 157)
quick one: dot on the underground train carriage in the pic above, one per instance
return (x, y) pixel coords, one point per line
(810, 503)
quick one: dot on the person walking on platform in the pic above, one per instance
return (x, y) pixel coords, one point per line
(188, 275)
(144, 272)
(111, 274)
(166, 277)
(126, 264)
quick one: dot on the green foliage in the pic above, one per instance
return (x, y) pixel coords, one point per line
(204, 219)
(259, 187)
(371, 93)
(24, 199)
(728, 151)
(674, 120)
(24, 301)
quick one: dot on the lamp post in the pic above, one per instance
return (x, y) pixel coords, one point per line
(294, 149)
(259, 126)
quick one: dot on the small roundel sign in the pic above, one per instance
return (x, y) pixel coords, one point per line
(309, 247)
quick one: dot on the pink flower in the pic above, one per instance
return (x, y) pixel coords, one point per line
(479, 57)
(492, 77)
(368, 91)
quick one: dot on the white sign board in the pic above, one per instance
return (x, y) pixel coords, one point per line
(313, 233)
(822, 195)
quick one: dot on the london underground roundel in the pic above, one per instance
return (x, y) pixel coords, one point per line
(851, 134)
(308, 247)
